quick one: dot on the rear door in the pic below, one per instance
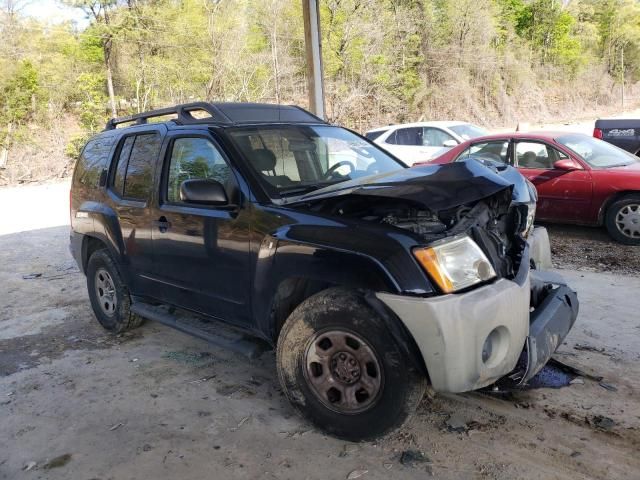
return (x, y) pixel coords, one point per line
(406, 144)
(562, 195)
(130, 188)
(201, 252)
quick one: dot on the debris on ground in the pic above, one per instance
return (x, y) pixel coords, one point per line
(240, 423)
(608, 386)
(29, 466)
(409, 458)
(204, 379)
(59, 461)
(550, 376)
(590, 348)
(574, 370)
(601, 422)
(356, 474)
(347, 449)
(31, 276)
(115, 427)
(190, 358)
(455, 423)
(577, 381)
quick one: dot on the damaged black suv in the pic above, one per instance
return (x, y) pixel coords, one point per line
(373, 280)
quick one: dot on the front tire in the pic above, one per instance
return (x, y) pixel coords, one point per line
(109, 295)
(340, 366)
(623, 220)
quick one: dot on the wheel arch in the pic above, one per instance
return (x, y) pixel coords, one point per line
(602, 213)
(296, 271)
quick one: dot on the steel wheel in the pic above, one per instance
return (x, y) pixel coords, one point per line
(343, 371)
(106, 292)
(628, 220)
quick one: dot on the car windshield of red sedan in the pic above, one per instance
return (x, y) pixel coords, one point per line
(596, 153)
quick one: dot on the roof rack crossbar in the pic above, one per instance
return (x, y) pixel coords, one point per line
(183, 113)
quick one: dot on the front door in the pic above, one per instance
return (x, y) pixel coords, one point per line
(201, 252)
(562, 195)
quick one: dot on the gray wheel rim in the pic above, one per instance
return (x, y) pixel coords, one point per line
(106, 292)
(343, 371)
(628, 220)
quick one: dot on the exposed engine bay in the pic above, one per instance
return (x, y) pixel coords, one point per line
(491, 222)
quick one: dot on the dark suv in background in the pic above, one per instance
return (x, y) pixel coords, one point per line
(373, 280)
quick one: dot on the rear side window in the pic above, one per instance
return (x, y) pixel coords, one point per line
(133, 176)
(406, 136)
(93, 161)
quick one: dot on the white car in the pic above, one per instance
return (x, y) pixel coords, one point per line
(423, 141)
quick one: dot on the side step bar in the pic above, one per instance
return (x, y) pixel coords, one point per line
(212, 331)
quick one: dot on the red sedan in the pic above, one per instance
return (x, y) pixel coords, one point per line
(579, 179)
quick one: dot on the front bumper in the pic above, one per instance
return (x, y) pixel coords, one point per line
(451, 331)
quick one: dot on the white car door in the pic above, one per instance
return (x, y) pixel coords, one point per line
(411, 145)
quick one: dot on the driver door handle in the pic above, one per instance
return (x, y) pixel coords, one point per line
(163, 224)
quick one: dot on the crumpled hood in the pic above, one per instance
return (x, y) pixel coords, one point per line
(438, 187)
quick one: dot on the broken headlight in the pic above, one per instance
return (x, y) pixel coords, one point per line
(455, 263)
(531, 215)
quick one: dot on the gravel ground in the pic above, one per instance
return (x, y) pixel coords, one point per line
(591, 249)
(79, 403)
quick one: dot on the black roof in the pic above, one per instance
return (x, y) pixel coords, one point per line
(226, 113)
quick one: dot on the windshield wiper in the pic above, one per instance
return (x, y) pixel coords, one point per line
(285, 192)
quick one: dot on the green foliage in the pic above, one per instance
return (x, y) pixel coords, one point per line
(384, 60)
(19, 92)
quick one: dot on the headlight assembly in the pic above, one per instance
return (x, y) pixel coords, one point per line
(455, 263)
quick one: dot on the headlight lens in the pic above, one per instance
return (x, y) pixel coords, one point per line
(455, 264)
(531, 216)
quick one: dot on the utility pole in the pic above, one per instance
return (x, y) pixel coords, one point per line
(315, 85)
(622, 74)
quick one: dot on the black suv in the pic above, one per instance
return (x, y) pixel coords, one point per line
(373, 280)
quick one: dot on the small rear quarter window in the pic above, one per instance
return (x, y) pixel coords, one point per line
(373, 135)
(93, 161)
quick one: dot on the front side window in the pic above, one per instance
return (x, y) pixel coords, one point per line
(537, 155)
(294, 159)
(133, 176)
(434, 137)
(406, 136)
(195, 158)
(496, 151)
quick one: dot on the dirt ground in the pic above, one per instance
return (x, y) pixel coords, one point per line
(591, 249)
(78, 403)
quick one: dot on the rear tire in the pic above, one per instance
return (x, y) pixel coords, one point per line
(109, 295)
(623, 220)
(342, 369)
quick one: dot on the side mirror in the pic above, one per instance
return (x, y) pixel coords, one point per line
(567, 165)
(203, 192)
(449, 143)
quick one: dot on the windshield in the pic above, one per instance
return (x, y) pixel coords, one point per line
(468, 131)
(296, 159)
(595, 152)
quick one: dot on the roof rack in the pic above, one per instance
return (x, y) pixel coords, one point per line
(182, 111)
(224, 113)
